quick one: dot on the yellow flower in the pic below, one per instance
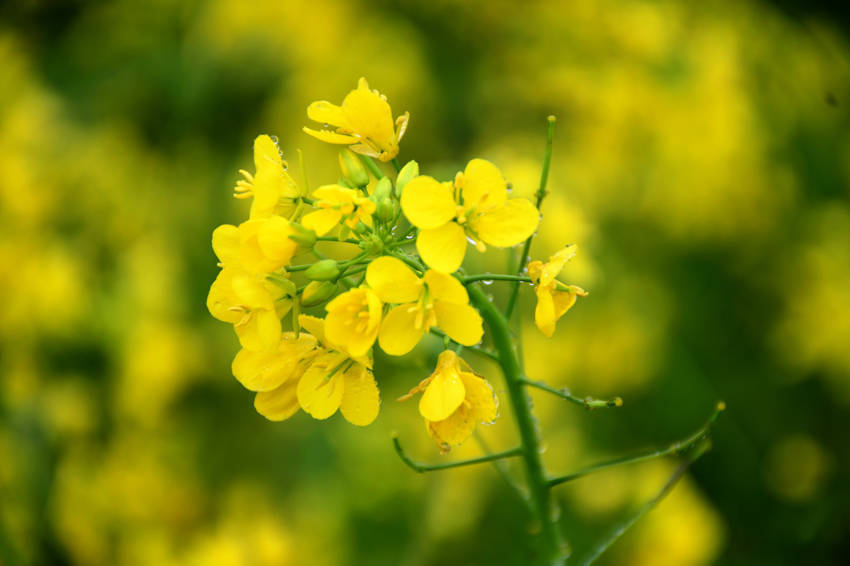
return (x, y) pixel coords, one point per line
(273, 189)
(337, 204)
(274, 374)
(335, 380)
(475, 206)
(252, 304)
(364, 122)
(453, 400)
(259, 246)
(552, 302)
(436, 299)
(353, 320)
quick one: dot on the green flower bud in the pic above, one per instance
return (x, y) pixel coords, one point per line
(352, 169)
(386, 210)
(383, 190)
(302, 236)
(323, 270)
(317, 292)
(407, 173)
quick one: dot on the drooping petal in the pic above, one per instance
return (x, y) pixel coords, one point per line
(399, 333)
(361, 399)
(393, 281)
(482, 401)
(442, 248)
(556, 263)
(461, 322)
(330, 137)
(318, 394)
(508, 224)
(443, 395)
(452, 430)
(444, 287)
(324, 112)
(261, 371)
(278, 404)
(544, 312)
(322, 221)
(428, 203)
(483, 185)
(266, 154)
(226, 243)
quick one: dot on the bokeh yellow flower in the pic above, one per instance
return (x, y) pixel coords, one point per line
(453, 400)
(364, 122)
(437, 299)
(273, 189)
(553, 298)
(474, 207)
(338, 204)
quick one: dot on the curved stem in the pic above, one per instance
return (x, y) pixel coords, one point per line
(554, 547)
(422, 467)
(588, 403)
(541, 194)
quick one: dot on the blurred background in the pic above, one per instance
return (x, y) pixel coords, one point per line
(702, 165)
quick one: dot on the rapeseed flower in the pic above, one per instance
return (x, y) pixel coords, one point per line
(437, 299)
(474, 207)
(364, 122)
(353, 320)
(338, 204)
(253, 304)
(273, 189)
(259, 246)
(453, 400)
(553, 298)
(337, 381)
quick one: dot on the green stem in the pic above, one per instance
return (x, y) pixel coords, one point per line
(422, 467)
(371, 166)
(396, 164)
(492, 355)
(675, 448)
(494, 277)
(335, 239)
(408, 260)
(553, 544)
(588, 403)
(541, 194)
(503, 472)
(615, 534)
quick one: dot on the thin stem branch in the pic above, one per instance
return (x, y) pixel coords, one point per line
(503, 472)
(494, 277)
(540, 195)
(371, 166)
(478, 350)
(396, 164)
(676, 448)
(335, 239)
(421, 467)
(588, 403)
(620, 529)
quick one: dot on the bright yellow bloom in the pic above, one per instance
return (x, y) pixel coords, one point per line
(259, 246)
(437, 299)
(453, 400)
(273, 189)
(353, 320)
(252, 304)
(475, 206)
(274, 374)
(337, 204)
(335, 380)
(364, 122)
(552, 303)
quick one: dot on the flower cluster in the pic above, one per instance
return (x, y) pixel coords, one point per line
(387, 292)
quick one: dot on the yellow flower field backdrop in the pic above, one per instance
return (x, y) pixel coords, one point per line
(701, 166)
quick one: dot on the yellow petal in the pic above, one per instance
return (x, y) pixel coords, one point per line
(315, 326)
(226, 242)
(273, 239)
(278, 404)
(261, 371)
(324, 112)
(221, 298)
(461, 322)
(544, 312)
(452, 430)
(253, 291)
(483, 185)
(399, 333)
(443, 395)
(266, 155)
(318, 395)
(427, 203)
(482, 402)
(508, 224)
(322, 221)
(330, 137)
(444, 287)
(261, 332)
(361, 400)
(556, 263)
(335, 194)
(442, 248)
(393, 281)
(370, 116)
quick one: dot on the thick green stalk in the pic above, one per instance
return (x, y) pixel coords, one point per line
(554, 546)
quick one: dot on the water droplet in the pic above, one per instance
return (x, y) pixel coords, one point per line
(326, 125)
(487, 282)
(543, 447)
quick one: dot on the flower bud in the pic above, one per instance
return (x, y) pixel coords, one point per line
(353, 169)
(323, 270)
(302, 236)
(382, 191)
(387, 210)
(407, 173)
(317, 292)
